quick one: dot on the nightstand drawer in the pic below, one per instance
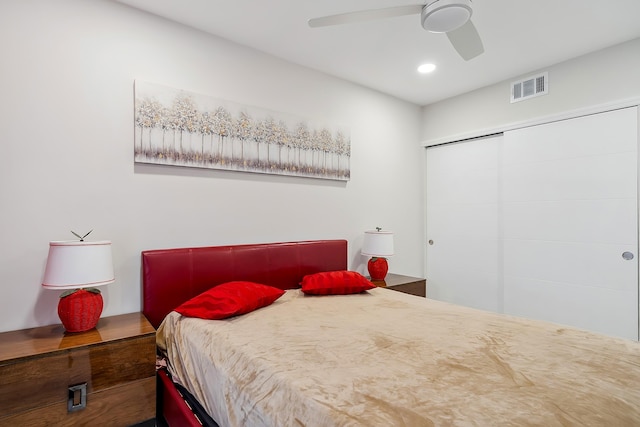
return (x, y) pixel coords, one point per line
(414, 288)
(114, 363)
(43, 380)
(118, 406)
(406, 284)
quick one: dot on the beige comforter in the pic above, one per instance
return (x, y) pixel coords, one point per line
(390, 359)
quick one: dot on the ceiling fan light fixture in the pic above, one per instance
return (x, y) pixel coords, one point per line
(442, 16)
(426, 68)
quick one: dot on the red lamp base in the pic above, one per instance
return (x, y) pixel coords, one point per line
(80, 310)
(378, 268)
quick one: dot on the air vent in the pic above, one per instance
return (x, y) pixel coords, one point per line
(530, 87)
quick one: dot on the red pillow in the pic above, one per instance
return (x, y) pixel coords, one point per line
(229, 299)
(335, 283)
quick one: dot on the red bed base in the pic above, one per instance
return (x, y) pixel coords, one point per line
(172, 276)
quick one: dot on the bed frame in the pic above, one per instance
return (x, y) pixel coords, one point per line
(173, 276)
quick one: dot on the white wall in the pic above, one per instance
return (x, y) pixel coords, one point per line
(66, 128)
(598, 79)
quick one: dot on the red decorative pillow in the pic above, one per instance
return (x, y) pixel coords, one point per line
(229, 299)
(335, 283)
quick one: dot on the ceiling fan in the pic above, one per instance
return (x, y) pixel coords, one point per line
(437, 16)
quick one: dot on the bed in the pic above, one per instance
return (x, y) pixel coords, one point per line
(370, 358)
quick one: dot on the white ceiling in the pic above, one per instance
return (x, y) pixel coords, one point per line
(519, 36)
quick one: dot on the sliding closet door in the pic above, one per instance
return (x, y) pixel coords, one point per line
(570, 224)
(541, 223)
(463, 250)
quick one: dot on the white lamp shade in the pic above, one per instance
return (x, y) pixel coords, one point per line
(377, 243)
(75, 264)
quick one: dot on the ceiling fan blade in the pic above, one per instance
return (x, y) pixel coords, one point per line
(466, 41)
(365, 15)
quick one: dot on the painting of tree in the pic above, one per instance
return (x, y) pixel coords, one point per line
(180, 128)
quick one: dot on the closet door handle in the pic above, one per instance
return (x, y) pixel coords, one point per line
(627, 256)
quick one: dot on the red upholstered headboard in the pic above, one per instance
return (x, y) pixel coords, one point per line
(172, 276)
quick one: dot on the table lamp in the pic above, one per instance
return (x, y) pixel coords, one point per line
(378, 245)
(79, 267)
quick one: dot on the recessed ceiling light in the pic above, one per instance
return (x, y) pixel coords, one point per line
(426, 68)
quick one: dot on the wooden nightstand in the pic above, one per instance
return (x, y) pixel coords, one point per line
(44, 371)
(407, 284)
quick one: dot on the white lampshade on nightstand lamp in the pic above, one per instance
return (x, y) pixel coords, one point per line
(79, 267)
(378, 245)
